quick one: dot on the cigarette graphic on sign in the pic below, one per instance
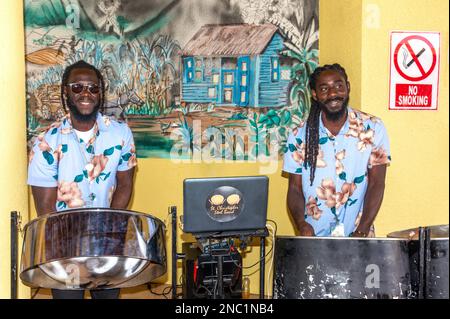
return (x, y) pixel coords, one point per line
(414, 73)
(405, 56)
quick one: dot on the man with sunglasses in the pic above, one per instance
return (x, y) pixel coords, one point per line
(83, 160)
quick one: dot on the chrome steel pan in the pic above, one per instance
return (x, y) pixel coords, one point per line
(93, 248)
(436, 232)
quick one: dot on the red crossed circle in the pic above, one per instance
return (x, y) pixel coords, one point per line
(424, 74)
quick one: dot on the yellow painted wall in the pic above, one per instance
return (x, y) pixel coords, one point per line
(417, 181)
(340, 40)
(13, 159)
(417, 188)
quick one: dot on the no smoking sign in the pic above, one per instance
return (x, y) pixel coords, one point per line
(414, 72)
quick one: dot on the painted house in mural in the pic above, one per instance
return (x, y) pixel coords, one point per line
(235, 65)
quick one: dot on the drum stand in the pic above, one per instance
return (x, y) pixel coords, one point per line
(424, 261)
(14, 248)
(219, 254)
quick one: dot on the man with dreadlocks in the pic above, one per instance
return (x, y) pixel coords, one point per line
(336, 162)
(84, 160)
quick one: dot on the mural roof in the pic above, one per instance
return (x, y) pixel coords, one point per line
(230, 40)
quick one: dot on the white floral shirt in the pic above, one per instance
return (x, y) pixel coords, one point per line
(334, 202)
(83, 171)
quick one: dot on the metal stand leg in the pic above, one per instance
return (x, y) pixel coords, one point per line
(14, 219)
(421, 261)
(424, 261)
(220, 294)
(262, 264)
(427, 270)
(173, 212)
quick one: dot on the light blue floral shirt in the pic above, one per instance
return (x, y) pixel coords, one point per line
(83, 171)
(334, 202)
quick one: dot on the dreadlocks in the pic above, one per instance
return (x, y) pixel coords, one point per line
(82, 65)
(312, 123)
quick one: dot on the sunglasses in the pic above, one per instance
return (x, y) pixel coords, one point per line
(77, 88)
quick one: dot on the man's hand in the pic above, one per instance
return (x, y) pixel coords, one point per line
(373, 198)
(305, 229)
(359, 234)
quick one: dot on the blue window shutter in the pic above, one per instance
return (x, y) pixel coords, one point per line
(188, 69)
(275, 66)
(243, 74)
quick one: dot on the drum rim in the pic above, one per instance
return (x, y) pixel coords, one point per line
(29, 284)
(356, 238)
(92, 209)
(91, 256)
(60, 259)
(392, 234)
(341, 238)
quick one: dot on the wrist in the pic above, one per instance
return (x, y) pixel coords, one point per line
(362, 227)
(301, 222)
(359, 233)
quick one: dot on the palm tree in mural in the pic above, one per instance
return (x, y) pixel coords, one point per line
(159, 63)
(301, 33)
(168, 51)
(305, 60)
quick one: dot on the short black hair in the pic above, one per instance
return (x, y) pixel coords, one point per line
(81, 64)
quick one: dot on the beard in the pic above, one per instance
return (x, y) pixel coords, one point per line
(334, 116)
(79, 116)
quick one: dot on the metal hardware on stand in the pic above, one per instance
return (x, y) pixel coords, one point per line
(244, 237)
(219, 255)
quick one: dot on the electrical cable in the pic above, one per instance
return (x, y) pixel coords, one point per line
(268, 253)
(149, 286)
(35, 293)
(166, 291)
(274, 231)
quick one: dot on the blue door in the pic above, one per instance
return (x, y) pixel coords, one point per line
(243, 81)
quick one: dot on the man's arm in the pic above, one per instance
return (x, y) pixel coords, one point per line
(124, 188)
(296, 205)
(373, 198)
(44, 199)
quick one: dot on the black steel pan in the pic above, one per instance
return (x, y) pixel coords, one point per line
(429, 274)
(341, 268)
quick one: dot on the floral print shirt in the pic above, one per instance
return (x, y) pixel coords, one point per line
(334, 202)
(83, 171)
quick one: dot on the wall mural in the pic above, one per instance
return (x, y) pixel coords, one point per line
(223, 79)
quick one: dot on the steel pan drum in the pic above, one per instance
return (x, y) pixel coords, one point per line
(93, 248)
(341, 268)
(436, 285)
